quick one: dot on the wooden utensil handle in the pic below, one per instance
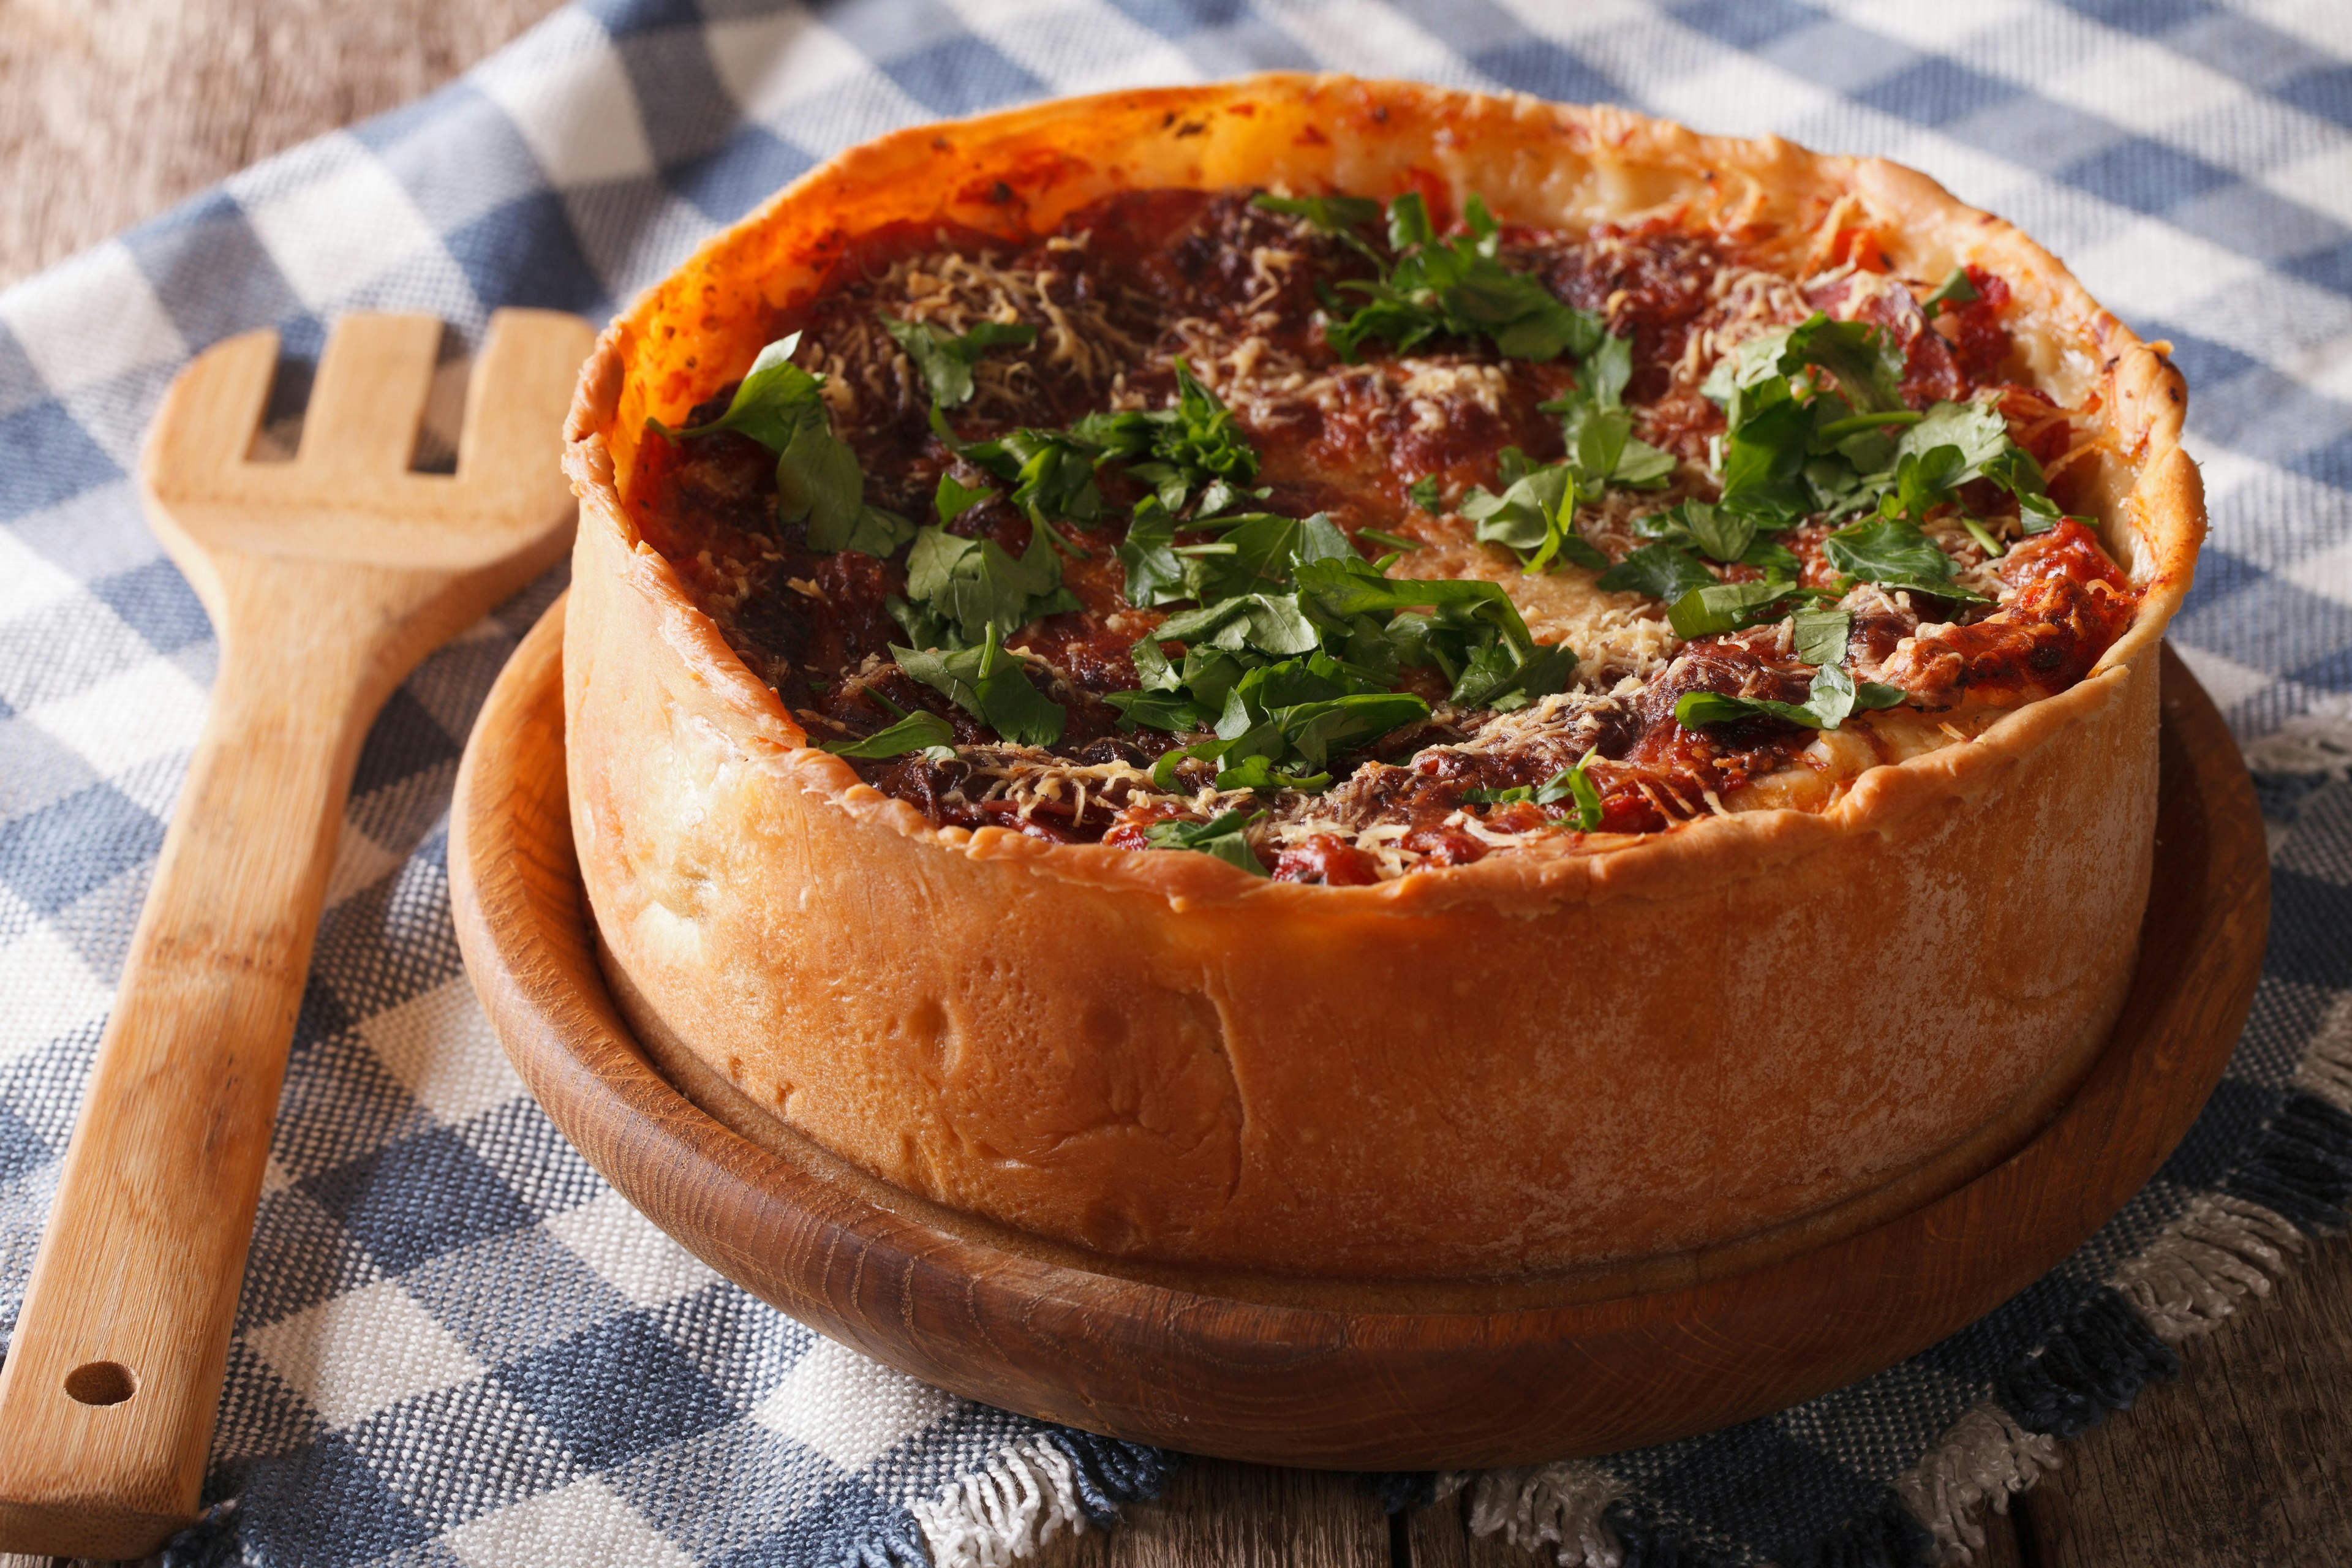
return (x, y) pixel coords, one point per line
(108, 1396)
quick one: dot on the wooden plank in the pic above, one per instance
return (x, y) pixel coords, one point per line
(1220, 1515)
(1439, 1537)
(2245, 1460)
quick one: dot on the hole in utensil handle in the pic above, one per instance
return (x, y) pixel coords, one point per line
(100, 1382)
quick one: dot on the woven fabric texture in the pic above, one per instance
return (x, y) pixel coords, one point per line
(458, 1345)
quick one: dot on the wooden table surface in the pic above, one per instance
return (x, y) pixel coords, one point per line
(112, 109)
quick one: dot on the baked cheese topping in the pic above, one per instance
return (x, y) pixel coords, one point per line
(1342, 539)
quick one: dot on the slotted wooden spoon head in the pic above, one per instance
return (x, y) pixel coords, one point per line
(328, 578)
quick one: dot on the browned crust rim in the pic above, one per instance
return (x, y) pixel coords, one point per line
(2145, 403)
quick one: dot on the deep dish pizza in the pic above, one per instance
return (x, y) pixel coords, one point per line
(1281, 674)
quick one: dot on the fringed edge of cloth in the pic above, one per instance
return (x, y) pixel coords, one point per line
(1029, 1492)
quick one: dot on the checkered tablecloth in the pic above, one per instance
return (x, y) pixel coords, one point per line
(457, 1344)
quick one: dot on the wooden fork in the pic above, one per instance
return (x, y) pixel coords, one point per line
(328, 578)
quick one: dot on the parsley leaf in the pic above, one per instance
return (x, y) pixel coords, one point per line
(918, 732)
(1270, 624)
(1785, 455)
(968, 590)
(818, 480)
(1534, 516)
(1424, 493)
(1974, 430)
(1286, 679)
(1052, 473)
(1862, 363)
(1954, 443)
(1194, 449)
(1471, 631)
(1718, 532)
(1834, 696)
(1606, 371)
(873, 531)
(945, 360)
(990, 684)
(1729, 537)
(1894, 554)
(1409, 225)
(1792, 445)
(1820, 635)
(1600, 430)
(1661, 570)
(2016, 471)
(954, 499)
(1764, 454)
(1313, 729)
(1281, 720)
(1295, 640)
(1668, 570)
(1457, 286)
(1256, 550)
(1155, 575)
(1193, 455)
(1772, 558)
(1222, 835)
(1495, 672)
(1955, 290)
(1169, 710)
(1569, 784)
(1580, 789)
(1923, 481)
(1733, 607)
(775, 398)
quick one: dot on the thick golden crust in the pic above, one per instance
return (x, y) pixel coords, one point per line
(1548, 1057)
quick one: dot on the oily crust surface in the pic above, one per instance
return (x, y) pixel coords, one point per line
(1617, 1049)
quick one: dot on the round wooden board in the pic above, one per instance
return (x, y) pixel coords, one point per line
(1392, 1380)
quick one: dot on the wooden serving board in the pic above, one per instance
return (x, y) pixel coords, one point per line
(1374, 1376)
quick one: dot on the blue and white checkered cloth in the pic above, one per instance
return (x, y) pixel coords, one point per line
(458, 1345)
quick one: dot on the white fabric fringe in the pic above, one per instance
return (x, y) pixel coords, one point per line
(2317, 741)
(1556, 1505)
(1986, 1457)
(2327, 1069)
(1024, 1496)
(2194, 1275)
